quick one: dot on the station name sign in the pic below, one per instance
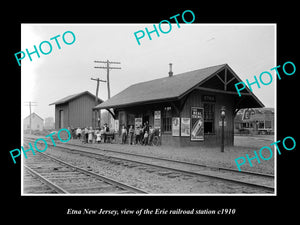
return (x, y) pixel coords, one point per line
(208, 98)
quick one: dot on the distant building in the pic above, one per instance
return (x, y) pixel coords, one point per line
(76, 111)
(37, 123)
(254, 121)
(49, 123)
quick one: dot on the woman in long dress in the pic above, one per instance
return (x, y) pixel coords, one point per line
(91, 135)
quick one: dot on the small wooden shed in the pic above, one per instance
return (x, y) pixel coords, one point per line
(76, 111)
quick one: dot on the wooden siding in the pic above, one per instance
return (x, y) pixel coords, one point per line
(77, 113)
(80, 111)
(195, 99)
(65, 108)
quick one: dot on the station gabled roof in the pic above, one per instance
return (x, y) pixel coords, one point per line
(33, 114)
(220, 78)
(72, 97)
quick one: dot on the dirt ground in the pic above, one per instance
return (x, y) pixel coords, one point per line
(207, 155)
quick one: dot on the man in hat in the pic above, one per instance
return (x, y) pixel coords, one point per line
(106, 130)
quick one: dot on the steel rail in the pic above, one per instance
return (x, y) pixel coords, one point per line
(187, 172)
(261, 186)
(98, 176)
(177, 161)
(180, 161)
(50, 184)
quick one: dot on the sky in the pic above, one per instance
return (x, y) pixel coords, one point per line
(248, 49)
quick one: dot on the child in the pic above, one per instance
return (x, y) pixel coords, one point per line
(98, 136)
(78, 132)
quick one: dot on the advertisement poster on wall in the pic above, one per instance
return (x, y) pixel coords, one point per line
(185, 127)
(138, 122)
(175, 126)
(157, 118)
(197, 124)
(117, 125)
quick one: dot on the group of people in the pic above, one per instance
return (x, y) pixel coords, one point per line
(88, 135)
(140, 135)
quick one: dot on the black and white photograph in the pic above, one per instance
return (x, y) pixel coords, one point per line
(102, 113)
(149, 111)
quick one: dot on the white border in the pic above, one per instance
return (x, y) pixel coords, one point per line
(121, 195)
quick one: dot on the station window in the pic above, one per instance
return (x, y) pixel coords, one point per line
(130, 119)
(247, 125)
(261, 124)
(209, 118)
(268, 124)
(167, 119)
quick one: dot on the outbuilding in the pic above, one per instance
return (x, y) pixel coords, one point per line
(76, 111)
(255, 121)
(185, 107)
(33, 122)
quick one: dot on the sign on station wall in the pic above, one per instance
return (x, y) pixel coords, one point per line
(185, 127)
(157, 119)
(197, 124)
(175, 126)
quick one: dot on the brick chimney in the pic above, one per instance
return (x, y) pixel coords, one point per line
(170, 72)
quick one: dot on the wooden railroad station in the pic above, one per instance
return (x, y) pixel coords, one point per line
(185, 107)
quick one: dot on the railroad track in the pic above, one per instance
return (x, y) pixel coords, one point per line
(260, 181)
(62, 177)
(32, 183)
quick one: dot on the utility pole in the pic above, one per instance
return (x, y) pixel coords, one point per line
(97, 89)
(107, 67)
(30, 104)
(96, 98)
